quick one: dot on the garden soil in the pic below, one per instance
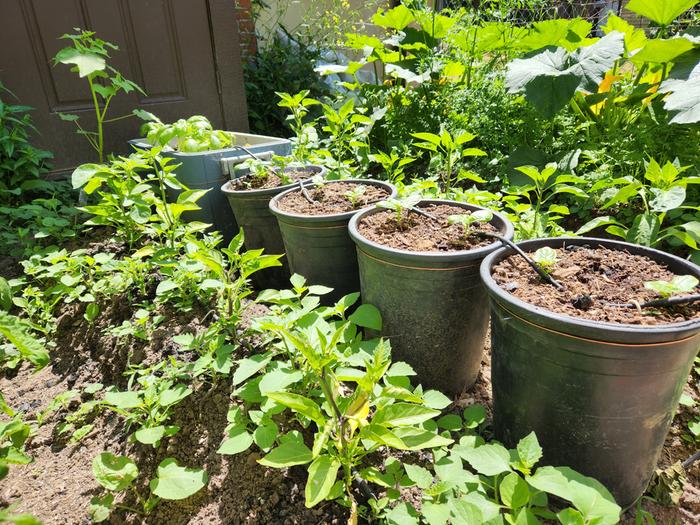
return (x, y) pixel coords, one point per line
(330, 199)
(418, 233)
(272, 180)
(58, 485)
(594, 281)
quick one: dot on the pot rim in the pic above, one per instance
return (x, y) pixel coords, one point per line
(281, 214)
(579, 326)
(269, 191)
(457, 255)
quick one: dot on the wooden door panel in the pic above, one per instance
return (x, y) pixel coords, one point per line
(165, 46)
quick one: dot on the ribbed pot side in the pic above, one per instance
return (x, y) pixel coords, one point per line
(599, 396)
(251, 208)
(433, 305)
(319, 246)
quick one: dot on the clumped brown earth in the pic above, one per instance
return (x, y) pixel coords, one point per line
(273, 180)
(594, 280)
(418, 233)
(58, 485)
(331, 198)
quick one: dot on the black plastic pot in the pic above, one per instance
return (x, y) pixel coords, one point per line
(599, 396)
(319, 246)
(251, 208)
(433, 305)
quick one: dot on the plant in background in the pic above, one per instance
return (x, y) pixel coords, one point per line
(447, 152)
(191, 135)
(88, 56)
(306, 137)
(660, 198)
(21, 344)
(392, 164)
(533, 212)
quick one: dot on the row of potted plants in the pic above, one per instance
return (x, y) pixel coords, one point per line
(584, 352)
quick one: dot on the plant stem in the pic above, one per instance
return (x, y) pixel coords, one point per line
(100, 137)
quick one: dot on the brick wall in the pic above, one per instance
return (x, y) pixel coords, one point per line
(246, 28)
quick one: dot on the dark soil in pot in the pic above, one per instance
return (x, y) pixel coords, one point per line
(315, 230)
(249, 199)
(418, 233)
(330, 199)
(274, 180)
(593, 280)
(597, 383)
(423, 276)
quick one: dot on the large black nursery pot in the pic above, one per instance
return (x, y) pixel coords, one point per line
(208, 170)
(251, 208)
(599, 396)
(433, 305)
(319, 246)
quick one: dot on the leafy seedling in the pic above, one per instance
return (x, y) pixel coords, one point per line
(678, 285)
(468, 220)
(546, 258)
(400, 207)
(355, 195)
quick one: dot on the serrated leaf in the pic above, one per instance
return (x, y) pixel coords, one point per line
(367, 316)
(490, 459)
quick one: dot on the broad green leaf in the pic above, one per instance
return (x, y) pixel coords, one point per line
(397, 18)
(683, 100)
(570, 517)
(403, 414)
(239, 440)
(303, 405)
(514, 491)
(588, 495)
(436, 399)
(659, 51)
(417, 439)
(114, 472)
(644, 230)
(17, 333)
(83, 173)
(101, 507)
(435, 513)
(367, 316)
(667, 200)
(265, 435)
(322, 474)
(634, 37)
(663, 12)
(419, 475)
(124, 400)
(86, 63)
(529, 450)
(464, 512)
(5, 295)
(491, 459)
(402, 514)
(173, 395)
(289, 453)
(597, 223)
(174, 482)
(279, 379)
(153, 435)
(249, 366)
(526, 517)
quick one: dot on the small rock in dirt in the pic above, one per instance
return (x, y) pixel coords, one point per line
(582, 302)
(509, 287)
(565, 273)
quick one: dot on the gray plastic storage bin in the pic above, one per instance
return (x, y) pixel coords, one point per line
(209, 170)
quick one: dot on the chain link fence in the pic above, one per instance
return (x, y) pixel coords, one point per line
(595, 11)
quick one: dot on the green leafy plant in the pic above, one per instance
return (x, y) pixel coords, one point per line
(532, 205)
(546, 258)
(400, 207)
(117, 475)
(87, 56)
(678, 285)
(467, 220)
(306, 137)
(355, 195)
(187, 135)
(448, 151)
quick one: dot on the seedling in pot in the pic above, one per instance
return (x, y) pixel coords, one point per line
(467, 220)
(355, 195)
(400, 207)
(678, 285)
(546, 258)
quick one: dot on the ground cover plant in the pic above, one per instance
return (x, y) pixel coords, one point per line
(140, 358)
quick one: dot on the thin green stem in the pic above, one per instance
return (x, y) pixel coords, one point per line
(100, 137)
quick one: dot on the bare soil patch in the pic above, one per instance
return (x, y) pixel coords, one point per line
(331, 198)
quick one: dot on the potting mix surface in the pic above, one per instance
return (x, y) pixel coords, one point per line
(273, 180)
(594, 280)
(331, 198)
(417, 233)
